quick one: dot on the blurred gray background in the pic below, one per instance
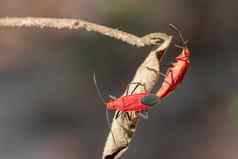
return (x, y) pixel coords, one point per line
(49, 108)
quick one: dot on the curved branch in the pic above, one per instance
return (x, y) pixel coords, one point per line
(75, 24)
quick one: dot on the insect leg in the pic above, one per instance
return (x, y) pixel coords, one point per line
(163, 75)
(179, 46)
(144, 115)
(112, 97)
(137, 85)
(127, 88)
(117, 114)
(128, 116)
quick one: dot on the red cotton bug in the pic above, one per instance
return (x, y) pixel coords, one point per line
(133, 102)
(129, 102)
(176, 72)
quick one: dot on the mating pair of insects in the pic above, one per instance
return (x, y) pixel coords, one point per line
(141, 102)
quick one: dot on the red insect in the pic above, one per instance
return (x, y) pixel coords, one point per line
(143, 101)
(133, 102)
(129, 102)
(176, 72)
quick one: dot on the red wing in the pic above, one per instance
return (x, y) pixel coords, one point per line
(135, 107)
(133, 102)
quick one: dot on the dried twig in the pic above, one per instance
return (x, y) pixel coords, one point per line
(122, 128)
(75, 24)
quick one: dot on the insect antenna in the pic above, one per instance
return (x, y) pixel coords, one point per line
(179, 33)
(98, 90)
(104, 102)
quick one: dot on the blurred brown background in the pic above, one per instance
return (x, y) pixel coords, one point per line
(49, 108)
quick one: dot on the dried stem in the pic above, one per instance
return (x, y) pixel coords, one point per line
(75, 24)
(122, 128)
